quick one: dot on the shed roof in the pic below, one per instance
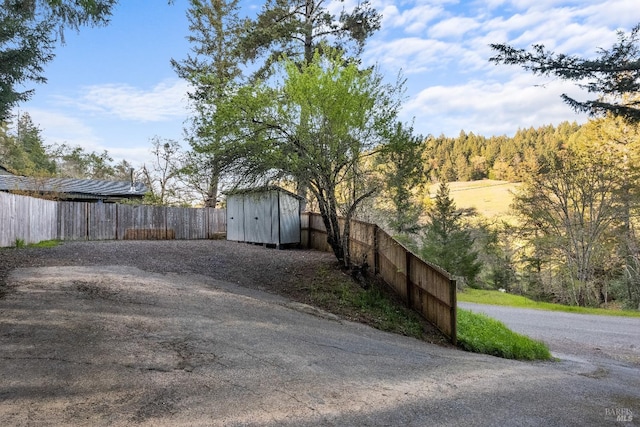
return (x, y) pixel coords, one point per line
(77, 188)
(262, 189)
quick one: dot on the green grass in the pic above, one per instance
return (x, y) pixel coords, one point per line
(502, 298)
(45, 244)
(491, 198)
(19, 244)
(479, 333)
(378, 307)
(338, 293)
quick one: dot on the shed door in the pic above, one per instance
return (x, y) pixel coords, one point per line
(257, 217)
(235, 218)
(289, 219)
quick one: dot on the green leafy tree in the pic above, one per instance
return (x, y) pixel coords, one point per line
(618, 140)
(614, 76)
(76, 162)
(301, 29)
(213, 70)
(316, 126)
(446, 242)
(12, 155)
(23, 151)
(570, 210)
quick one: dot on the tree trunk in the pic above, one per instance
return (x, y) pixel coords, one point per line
(212, 192)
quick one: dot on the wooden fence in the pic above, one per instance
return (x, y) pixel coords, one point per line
(112, 221)
(26, 219)
(33, 220)
(424, 287)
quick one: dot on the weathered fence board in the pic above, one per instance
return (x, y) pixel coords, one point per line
(143, 222)
(102, 221)
(316, 233)
(392, 258)
(27, 219)
(216, 223)
(72, 221)
(424, 287)
(187, 223)
(362, 243)
(33, 220)
(7, 219)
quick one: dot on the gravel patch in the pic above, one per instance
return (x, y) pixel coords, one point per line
(277, 271)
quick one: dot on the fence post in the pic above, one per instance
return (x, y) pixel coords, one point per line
(376, 253)
(408, 279)
(453, 299)
(309, 216)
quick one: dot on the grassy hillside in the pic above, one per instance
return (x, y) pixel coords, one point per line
(491, 198)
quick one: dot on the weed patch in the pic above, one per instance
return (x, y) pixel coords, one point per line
(335, 291)
(20, 244)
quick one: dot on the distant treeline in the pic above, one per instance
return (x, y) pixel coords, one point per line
(470, 157)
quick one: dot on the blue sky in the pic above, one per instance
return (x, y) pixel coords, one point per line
(113, 88)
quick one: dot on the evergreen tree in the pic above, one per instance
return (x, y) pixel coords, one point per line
(25, 47)
(614, 76)
(298, 28)
(29, 30)
(403, 171)
(213, 70)
(29, 138)
(446, 242)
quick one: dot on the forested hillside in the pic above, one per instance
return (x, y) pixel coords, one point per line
(570, 235)
(470, 157)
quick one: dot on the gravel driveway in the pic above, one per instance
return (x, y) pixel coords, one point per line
(181, 333)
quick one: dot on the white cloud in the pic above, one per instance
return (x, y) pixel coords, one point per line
(490, 108)
(412, 54)
(412, 20)
(613, 13)
(59, 128)
(166, 100)
(454, 27)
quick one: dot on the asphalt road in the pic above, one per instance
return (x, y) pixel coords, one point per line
(116, 345)
(608, 344)
(569, 333)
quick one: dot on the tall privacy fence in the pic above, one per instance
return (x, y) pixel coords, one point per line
(424, 287)
(33, 220)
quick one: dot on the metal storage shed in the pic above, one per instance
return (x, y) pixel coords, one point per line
(267, 215)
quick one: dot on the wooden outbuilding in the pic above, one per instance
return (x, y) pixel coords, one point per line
(266, 215)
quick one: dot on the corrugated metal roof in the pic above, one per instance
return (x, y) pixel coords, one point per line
(92, 187)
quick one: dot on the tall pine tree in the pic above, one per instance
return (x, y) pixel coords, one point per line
(446, 242)
(212, 69)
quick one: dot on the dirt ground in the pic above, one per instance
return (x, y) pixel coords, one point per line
(290, 273)
(204, 333)
(277, 271)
